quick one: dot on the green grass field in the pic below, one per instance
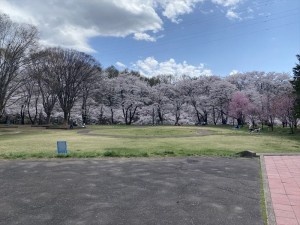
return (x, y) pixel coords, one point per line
(138, 141)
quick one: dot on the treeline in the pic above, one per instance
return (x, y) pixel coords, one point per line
(255, 97)
(56, 85)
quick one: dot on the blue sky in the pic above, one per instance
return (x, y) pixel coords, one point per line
(180, 36)
(266, 40)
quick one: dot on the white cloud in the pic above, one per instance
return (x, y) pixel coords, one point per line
(232, 15)
(232, 5)
(151, 67)
(16, 13)
(227, 3)
(146, 66)
(73, 23)
(143, 36)
(233, 72)
(121, 65)
(175, 8)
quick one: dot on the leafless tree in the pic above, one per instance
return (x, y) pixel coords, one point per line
(40, 72)
(16, 41)
(30, 100)
(88, 89)
(67, 70)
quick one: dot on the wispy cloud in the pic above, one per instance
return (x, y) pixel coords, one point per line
(144, 37)
(233, 72)
(231, 14)
(120, 65)
(174, 8)
(227, 2)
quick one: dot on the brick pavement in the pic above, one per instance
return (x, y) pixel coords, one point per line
(283, 174)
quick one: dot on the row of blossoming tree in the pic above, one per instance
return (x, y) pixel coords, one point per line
(56, 85)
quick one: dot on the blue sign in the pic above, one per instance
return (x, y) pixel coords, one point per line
(62, 147)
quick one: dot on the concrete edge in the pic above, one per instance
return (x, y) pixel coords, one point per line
(279, 154)
(268, 200)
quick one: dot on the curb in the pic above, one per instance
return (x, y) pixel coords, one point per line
(271, 220)
(278, 154)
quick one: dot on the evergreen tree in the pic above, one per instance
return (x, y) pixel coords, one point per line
(296, 86)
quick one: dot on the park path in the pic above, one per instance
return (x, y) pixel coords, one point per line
(199, 133)
(283, 173)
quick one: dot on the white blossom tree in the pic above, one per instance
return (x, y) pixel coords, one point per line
(160, 102)
(220, 95)
(133, 94)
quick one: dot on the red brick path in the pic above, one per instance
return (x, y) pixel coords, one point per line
(283, 174)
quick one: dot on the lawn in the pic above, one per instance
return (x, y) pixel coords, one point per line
(131, 141)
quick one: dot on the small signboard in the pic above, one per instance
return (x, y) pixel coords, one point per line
(62, 147)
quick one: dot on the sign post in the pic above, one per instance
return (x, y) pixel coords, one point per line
(62, 147)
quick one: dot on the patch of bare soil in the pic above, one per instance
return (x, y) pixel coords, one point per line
(198, 134)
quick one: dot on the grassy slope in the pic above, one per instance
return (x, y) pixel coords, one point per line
(143, 141)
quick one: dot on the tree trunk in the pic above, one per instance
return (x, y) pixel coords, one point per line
(271, 123)
(29, 116)
(125, 115)
(214, 116)
(177, 115)
(66, 119)
(224, 119)
(198, 117)
(205, 115)
(160, 116)
(84, 113)
(33, 119)
(22, 114)
(153, 116)
(291, 125)
(100, 118)
(111, 116)
(239, 121)
(48, 118)
(131, 115)
(40, 121)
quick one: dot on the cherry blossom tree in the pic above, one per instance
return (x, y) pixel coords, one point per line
(160, 102)
(284, 108)
(239, 106)
(240, 80)
(220, 95)
(197, 92)
(177, 100)
(133, 95)
(107, 95)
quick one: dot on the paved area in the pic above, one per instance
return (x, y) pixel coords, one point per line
(175, 191)
(283, 174)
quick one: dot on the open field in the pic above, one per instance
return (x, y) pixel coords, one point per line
(131, 141)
